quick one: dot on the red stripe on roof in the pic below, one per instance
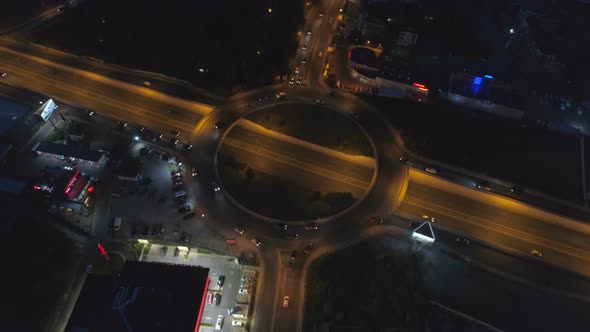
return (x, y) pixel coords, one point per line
(202, 304)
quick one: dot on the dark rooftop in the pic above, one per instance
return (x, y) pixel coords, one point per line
(145, 297)
(69, 151)
(10, 113)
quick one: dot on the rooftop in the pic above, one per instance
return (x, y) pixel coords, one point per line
(145, 297)
(69, 151)
(10, 113)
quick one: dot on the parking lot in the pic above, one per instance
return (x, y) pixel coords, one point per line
(235, 277)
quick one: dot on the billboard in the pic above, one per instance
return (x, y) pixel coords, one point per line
(47, 109)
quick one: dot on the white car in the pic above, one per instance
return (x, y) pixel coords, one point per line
(256, 242)
(243, 291)
(237, 323)
(285, 302)
(431, 170)
(219, 323)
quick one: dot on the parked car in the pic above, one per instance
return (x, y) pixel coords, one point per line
(237, 323)
(220, 281)
(217, 297)
(243, 291)
(219, 323)
(308, 248)
(176, 252)
(233, 310)
(163, 251)
(209, 298)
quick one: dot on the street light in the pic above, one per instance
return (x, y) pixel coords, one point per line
(511, 30)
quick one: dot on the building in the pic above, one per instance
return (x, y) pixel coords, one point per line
(145, 297)
(11, 114)
(71, 152)
(487, 94)
(12, 186)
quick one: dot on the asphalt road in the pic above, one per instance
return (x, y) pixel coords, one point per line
(499, 221)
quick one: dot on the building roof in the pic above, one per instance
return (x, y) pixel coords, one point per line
(363, 56)
(145, 297)
(10, 113)
(69, 151)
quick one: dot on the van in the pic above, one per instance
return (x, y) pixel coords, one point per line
(117, 223)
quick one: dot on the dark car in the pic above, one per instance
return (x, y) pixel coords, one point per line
(175, 133)
(311, 226)
(184, 208)
(376, 220)
(292, 236)
(217, 298)
(308, 248)
(176, 172)
(220, 281)
(281, 225)
(293, 254)
(220, 125)
(177, 178)
(176, 251)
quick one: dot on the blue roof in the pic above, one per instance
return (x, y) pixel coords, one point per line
(10, 113)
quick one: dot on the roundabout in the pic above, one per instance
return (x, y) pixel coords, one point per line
(296, 162)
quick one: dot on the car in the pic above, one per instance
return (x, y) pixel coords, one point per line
(163, 251)
(309, 32)
(303, 61)
(174, 132)
(244, 279)
(376, 220)
(292, 236)
(219, 323)
(484, 186)
(187, 147)
(308, 248)
(292, 82)
(256, 242)
(176, 252)
(285, 302)
(311, 226)
(431, 170)
(220, 125)
(427, 218)
(237, 323)
(177, 177)
(215, 186)
(194, 172)
(243, 291)
(147, 83)
(239, 230)
(220, 281)
(320, 101)
(3, 74)
(209, 298)
(297, 70)
(462, 241)
(233, 310)
(217, 298)
(516, 189)
(536, 252)
(322, 13)
(332, 93)
(281, 225)
(293, 254)
(304, 47)
(281, 95)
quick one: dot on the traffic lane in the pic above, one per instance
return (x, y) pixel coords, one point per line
(350, 167)
(499, 202)
(311, 177)
(172, 86)
(140, 112)
(508, 239)
(286, 318)
(504, 218)
(16, 58)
